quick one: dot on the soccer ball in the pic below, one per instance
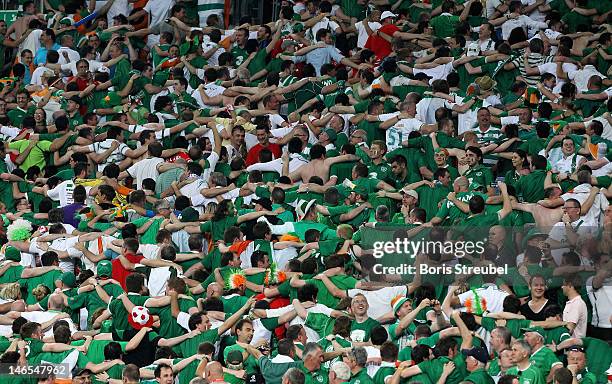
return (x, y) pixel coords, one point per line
(140, 315)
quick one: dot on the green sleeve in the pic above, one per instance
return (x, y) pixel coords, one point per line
(79, 301)
(206, 227)
(488, 323)
(270, 323)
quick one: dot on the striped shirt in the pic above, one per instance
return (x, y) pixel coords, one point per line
(534, 60)
(491, 135)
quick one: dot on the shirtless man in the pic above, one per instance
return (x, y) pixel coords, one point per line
(21, 24)
(318, 166)
(546, 218)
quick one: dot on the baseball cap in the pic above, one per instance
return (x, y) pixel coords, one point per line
(105, 268)
(538, 330)
(69, 279)
(535, 232)
(410, 192)
(479, 353)
(234, 357)
(387, 14)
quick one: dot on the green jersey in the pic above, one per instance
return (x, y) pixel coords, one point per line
(433, 369)
(343, 282)
(544, 359)
(479, 376)
(531, 375)
(530, 188)
(190, 346)
(361, 377)
(479, 177)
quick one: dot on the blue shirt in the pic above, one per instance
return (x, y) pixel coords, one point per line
(320, 56)
(41, 54)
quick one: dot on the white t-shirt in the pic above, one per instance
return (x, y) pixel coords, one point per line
(116, 156)
(362, 36)
(276, 121)
(145, 169)
(149, 251)
(581, 77)
(552, 68)
(379, 301)
(67, 244)
(601, 300)
(36, 78)
(581, 193)
(324, 23)
(427, 107)
(399, 131)
(214, 59)
(63, 193)
(73, 56)
(493, 295)
(158, 12)
(583, 228)
(44, 316)
(567, 164)
(210, 89)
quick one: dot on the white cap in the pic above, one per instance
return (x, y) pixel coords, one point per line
(387, 14)
(410, 192)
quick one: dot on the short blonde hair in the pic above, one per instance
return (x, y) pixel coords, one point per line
(10, 291)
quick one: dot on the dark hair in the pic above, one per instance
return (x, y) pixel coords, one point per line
(159, 368)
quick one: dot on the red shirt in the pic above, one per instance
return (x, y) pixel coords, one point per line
(180, 155)
(381, 47)
(253, 155)
(120, 273)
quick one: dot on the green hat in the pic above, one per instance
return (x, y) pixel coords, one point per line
(234, 357)
(331, 133)
(398, 304)
(533, 232)
(112, 99)
(69, 279)
(12, 253)
(189, 215)
(66, 20)
(538, 330)
(105, 268)
(299, 27)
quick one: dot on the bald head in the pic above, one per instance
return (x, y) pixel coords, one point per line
(213, 371)
(56, 302)
(462, 183)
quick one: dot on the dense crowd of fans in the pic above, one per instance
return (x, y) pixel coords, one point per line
(186, 201)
